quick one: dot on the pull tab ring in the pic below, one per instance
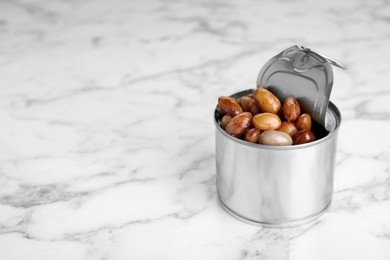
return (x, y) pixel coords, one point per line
(327, 58)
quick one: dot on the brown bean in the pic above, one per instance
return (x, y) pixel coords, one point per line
(225, 120)
(289, 128)
(266, 101)
(255, 109)
(252, 135)
(291, 109)
(303, 122)
(246, 103)
(238, 124)
(274, 137)
(303, 137)
(229, 106)
(266, 121)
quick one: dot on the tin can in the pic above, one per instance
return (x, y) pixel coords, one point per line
(276, 186)
(283, 186)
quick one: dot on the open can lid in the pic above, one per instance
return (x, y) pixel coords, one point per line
(304, 74)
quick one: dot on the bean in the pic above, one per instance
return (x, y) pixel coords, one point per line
(266, 101)
(238, 124)
(289, 128)
(291, 109)
(225, 120)
(252, 135)
(274, 137)
(246, 103)
(303, 137)
(266, 121)
(229, 106)
(255, 109)
(303, 122)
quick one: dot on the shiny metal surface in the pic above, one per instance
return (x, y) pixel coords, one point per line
(276, 185)
(301, 73)
(295, 223)
(327, 58)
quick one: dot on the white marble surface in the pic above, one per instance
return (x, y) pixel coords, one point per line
(107, 138)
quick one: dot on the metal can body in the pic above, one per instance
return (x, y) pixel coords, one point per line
(276, 185)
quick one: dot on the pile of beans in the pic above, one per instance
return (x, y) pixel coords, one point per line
(262, 118)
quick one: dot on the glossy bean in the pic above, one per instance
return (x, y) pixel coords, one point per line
(252, 135)
(274, 137)
(229, 106)
(303, 137)
(303, 122)
(238, 124)
(266, 101)
(288, 127)
(266, 121)
(291, 109)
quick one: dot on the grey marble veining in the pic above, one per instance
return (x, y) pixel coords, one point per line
(107, 138)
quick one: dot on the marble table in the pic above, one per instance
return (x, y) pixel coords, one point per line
(107, 136)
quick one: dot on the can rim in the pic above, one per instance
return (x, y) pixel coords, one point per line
(332, 109)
